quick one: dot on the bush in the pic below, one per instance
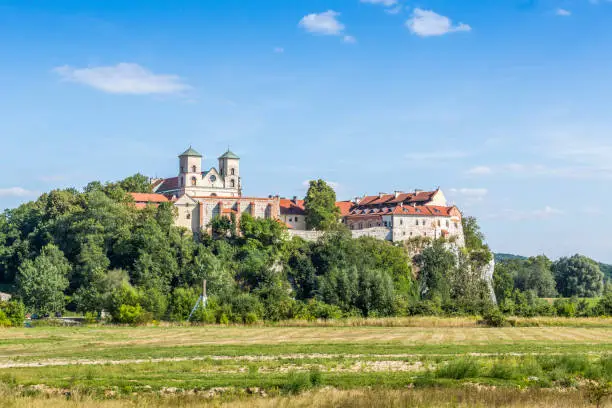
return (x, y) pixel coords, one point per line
(565, 307)
(4, 321)
(250, 318)
(495, 318)
(129, 314)
(297, 383)
(14, 313)
(459, 368)
(223, 319)
(91, 318)
(425, 308)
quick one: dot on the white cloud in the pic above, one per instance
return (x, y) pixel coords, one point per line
(279, 50)
(427, 23)
(563, 12)
(16, 192)
(394, 10)
(349, 39)
(123, 78)
(479, 170)
(324, 23)
(436, 155)
(386, 3)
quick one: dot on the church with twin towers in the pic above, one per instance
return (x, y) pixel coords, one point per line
(201, 194)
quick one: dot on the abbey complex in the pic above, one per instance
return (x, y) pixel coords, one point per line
(201, 195)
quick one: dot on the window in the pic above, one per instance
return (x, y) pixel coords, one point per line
(290, 219)
(296, 219)
(188, 216)
(194, 181)
(401, 222)
(232, 183)
(360, 225)
(417, 222)
(182, 169)
(447, 224)
(213, 178)
(232, 171)
(194, 169)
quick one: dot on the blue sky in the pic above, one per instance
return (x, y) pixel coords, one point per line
(505, 104)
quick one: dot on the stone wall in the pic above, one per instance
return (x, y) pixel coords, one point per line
(382, 233)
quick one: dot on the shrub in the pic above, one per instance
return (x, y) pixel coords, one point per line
(425, 308)
(223, 319)
(297, 383)
(495, 318)
(565, 307)
(316, 378)
(91, 318)
(14, 313)
(129, 314)
(250, 318)
(504, 369)
(459, 368)
(4, 320)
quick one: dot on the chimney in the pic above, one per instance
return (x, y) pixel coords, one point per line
(397, 193)
(417, 191)
(294, 200)
(381, 194)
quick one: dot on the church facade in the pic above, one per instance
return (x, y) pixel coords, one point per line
(200, 195)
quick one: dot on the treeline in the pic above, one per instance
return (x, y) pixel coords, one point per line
(528, 286)
(92, 251)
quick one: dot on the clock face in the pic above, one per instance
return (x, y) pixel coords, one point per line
(213, 178)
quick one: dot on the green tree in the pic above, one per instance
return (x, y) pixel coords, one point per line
(137, 183)
(41, 283)
(578, 276)
(474, 238)
(503, 282)
(320, 206)
(536, 274)
(436, 263)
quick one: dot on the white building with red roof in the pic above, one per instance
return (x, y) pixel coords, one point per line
(396, 217)
(200, 195)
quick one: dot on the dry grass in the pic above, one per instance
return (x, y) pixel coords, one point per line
(470, 396)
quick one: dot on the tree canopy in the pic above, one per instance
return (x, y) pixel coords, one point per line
(320, 205)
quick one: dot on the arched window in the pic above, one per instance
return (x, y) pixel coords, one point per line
(194, 169)
(232, 172)
(194, 181)
(232, 183)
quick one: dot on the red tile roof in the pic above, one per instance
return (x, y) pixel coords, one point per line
(149, 198)
(345, 207)
(291, 207)
(423, 210)
(406, 198)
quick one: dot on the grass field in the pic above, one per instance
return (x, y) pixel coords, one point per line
(277, 365)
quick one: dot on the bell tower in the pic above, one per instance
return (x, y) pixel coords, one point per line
(229, 169)
(190, 169)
